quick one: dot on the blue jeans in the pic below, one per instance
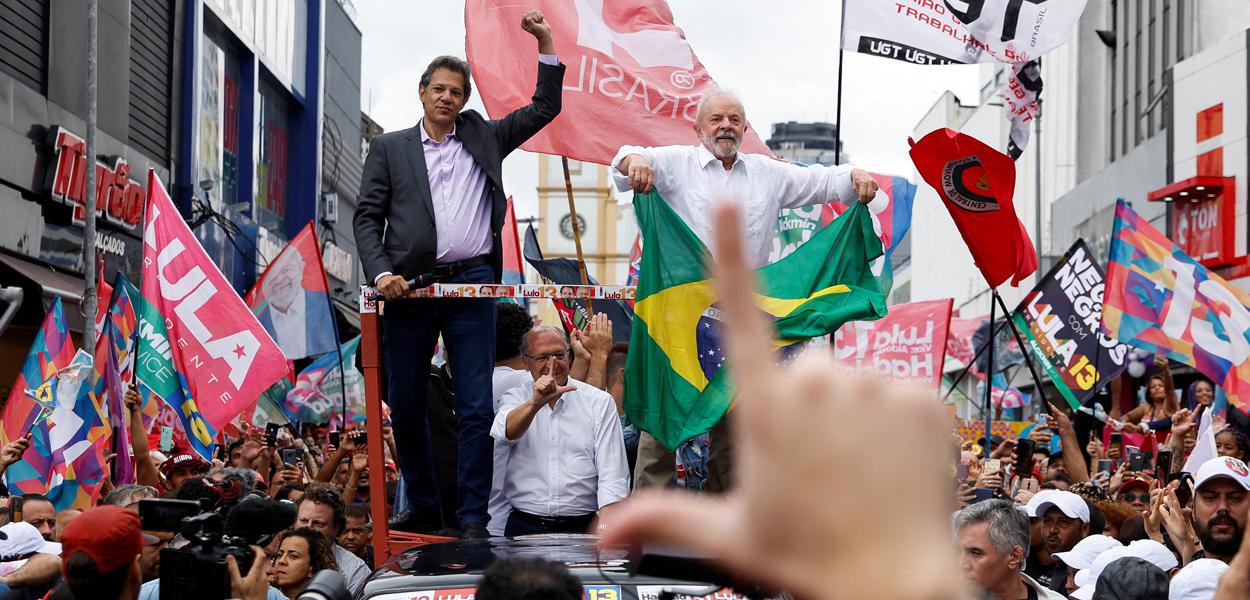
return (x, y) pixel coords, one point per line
(410, 331)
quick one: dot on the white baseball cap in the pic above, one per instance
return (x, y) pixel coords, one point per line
(20, 538)
(1068, 503)
(1087, 577)
(1225, 467)
(1197, 581)
(1030, 507)
(1148, 550)
(1082, 555)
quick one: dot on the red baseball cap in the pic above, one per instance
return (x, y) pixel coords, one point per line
(111, 535)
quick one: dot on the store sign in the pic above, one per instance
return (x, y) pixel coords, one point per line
(338, 262)
(1198, 229)
(118, 198)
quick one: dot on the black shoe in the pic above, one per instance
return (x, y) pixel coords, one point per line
(474, 530)
(415, 521)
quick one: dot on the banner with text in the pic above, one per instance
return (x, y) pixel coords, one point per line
(958, 31)
(1059, 322)
(908, 345)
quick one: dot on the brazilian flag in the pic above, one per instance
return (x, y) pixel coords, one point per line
(675, 387)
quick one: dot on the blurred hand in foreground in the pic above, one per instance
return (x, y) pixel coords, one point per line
(824, 509)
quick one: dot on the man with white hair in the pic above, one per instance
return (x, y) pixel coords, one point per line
(566, 456)
(992, 538)
(692, 179)
(298, 319)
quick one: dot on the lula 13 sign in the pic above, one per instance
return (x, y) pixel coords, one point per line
(118, 198)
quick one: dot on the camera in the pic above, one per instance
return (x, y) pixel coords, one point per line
(198, 571)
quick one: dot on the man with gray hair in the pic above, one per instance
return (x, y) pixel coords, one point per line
(993, 540)
(566, 457)
(692, 179)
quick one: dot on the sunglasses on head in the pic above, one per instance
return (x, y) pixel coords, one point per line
(1130, 497)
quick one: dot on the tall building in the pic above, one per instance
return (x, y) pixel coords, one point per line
(250, 109)
(1142, 98)
(607, 229)
(810, 143)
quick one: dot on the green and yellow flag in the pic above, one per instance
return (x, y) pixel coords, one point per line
(675, 387)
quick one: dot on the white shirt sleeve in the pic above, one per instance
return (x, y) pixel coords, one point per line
(622, 181)
(511, 399)
(610, 456)
(802, 186)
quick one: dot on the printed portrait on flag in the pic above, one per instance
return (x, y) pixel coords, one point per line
(291, 301)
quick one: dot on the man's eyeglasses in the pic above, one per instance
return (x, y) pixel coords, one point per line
(1130, 497)
(556, 356)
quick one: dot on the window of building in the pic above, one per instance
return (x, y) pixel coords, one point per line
(218, 121)
(151, 66)
(273, 161)
(24, 41)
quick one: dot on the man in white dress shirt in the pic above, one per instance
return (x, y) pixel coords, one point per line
(693, 180)
(566, 458)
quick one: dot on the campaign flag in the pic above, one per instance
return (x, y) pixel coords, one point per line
(1003, 395)
(513, 268)
(291, 298)
(319, 389)
(108, 391)
(632, 77)
(51, 351)
(122, 330)
(271, 406)
(976, 183)
(675, 388)
(907, 345)
(104, 292)
(959, 339)
(1161, 300)
(958, 31)
(214, 358)
(69, 439)
(573, 311)
(1022, 99)
(1007, 353)
(1059, 322)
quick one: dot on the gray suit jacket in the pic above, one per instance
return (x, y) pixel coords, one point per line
(394, 220)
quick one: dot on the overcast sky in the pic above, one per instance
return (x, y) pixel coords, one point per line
(780, 57)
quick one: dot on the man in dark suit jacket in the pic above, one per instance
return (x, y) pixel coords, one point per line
(432, 206)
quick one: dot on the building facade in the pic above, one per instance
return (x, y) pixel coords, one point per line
(248, 112)
(608, 229)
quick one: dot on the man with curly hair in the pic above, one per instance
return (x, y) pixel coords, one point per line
(321, 510)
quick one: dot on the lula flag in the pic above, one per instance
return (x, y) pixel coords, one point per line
(1161, 300)
(958, 31)
(322, 387)
(213, 343)
(52, 351)
(1059, 323)
(674, 386)
(291, 299)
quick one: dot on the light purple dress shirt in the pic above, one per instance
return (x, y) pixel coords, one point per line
(458, 191)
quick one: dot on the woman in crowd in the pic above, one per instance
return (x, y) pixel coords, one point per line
(1161, 404)
(302, 554)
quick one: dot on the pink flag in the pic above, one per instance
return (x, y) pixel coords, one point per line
(908, 345)
(632, 77)
(216, 343)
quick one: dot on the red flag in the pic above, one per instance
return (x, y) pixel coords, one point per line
(104, 295)
(908, 345)
(513, 268)
(291, 298)
(632, 77)
(216, 343)
(976, 183)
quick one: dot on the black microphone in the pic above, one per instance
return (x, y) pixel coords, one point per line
(254, 518)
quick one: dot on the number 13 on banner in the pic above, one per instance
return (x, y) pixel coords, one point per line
(603, 592)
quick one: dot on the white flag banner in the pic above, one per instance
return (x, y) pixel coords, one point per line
(1021, 100)
(936, 32)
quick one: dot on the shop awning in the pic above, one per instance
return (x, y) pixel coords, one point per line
(40, 281)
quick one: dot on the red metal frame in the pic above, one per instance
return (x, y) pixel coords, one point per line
(1205, 188)
(386, 543)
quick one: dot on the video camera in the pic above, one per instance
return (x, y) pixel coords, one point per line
(198, 571)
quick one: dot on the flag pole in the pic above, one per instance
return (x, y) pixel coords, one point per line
(989, 378)
(577, 231)
(1024, 350)
(334, 320)
(837, 132)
